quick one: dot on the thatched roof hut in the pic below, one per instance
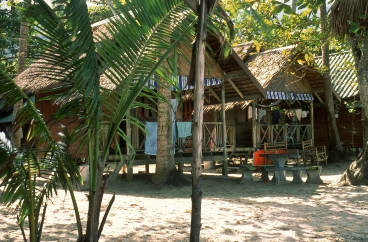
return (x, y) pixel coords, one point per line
(248, 75)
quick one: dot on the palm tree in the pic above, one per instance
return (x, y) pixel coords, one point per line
(128, 52)
(336, 151)
(348, 19)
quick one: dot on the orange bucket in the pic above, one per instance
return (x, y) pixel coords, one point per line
(261, 161)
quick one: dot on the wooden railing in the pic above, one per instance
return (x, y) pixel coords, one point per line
(212, 139)
(293, 134)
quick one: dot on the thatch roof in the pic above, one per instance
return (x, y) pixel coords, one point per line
(36, 77)
(279, 70)
(245, 49)
(228, 106)
(247, 75)
(344, 11)
(217, 66)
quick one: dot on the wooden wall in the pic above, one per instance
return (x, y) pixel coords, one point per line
(349, 126)
(47, 108)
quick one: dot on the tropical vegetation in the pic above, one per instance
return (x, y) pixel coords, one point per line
(132, 48)
(77, 59)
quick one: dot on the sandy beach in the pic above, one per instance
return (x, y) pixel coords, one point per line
(261, 211)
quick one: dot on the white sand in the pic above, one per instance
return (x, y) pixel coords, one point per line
(230, 211)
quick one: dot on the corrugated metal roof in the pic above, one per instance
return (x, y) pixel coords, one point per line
(343, 75)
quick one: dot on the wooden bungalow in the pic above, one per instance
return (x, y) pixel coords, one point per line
(260, 84)
(241, 93)
(350, 124)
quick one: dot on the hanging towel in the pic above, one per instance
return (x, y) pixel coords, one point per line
(261, 114)
(184, 129)
(304, 114)
(298, 113)
(174, 134)
(150, 147)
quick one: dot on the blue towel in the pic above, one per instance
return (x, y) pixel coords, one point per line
(150, 147)
(184, 129)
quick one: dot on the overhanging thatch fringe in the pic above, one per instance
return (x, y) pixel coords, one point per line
(343, 11)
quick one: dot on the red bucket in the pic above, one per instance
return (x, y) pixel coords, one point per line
(261, 161)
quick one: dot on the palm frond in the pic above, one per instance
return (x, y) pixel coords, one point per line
(140, 43)
(12, 94)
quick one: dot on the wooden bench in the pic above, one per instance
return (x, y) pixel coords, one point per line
(315, 153)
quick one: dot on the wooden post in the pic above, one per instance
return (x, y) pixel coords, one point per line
(254, 125)
(197, 134)
(224, 163)
(199, 95)
(233, 137)
(298, 140)
(312, 120)
(129, 176)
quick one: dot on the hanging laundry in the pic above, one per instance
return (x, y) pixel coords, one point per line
(276, 116)
(304, 114)
(184, 129)
(298, 113)
(261, 114)
(250, 112)
(150, 145)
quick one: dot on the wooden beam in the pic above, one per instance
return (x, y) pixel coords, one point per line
(245, 98)
(320, 90)
(236, 88)
(206, 99)
(235, 75)
(336, 95)
(249, 74)
(319, 98)
(214, 94)
(288, 103)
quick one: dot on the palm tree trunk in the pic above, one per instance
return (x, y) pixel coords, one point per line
(23, 39)
(165, 164)
(336, 151)
(357, 173)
